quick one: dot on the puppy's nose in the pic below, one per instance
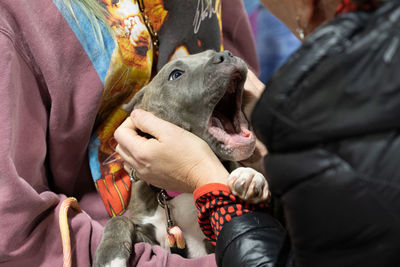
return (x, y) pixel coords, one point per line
(224, 56)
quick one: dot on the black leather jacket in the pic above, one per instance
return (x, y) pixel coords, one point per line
(330, 118)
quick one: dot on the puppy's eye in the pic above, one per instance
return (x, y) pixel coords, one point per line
(175, 75)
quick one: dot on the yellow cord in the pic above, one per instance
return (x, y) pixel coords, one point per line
(70, 202)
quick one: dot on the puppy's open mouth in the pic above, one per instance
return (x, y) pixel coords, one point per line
(227, 123)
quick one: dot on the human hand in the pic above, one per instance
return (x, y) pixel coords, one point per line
(253, 88)
(173, 159)
(256, 161)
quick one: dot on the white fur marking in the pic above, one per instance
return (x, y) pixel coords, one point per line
(117, 262)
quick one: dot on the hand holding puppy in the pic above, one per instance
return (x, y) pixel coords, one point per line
(173, 158)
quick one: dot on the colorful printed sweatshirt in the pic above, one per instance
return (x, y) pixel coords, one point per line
(51, 89)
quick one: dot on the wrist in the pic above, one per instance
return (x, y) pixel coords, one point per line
(213, 175)
(209, 188)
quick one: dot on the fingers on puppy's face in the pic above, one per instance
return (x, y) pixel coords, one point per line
(125, 154)
(127, 167)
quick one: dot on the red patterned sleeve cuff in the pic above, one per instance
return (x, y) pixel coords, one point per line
(216, 205)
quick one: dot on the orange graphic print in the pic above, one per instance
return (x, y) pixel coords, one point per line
(133, 63)
(130, 69)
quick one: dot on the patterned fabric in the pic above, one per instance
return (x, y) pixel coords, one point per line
(217, 205)
(348, 6)
(130, 61)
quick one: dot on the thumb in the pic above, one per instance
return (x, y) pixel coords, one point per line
(148, 123)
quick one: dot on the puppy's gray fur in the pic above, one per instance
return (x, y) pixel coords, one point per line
(189, 92)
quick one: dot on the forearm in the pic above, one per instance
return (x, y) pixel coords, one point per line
(253, 239)
(217, 206)
(30, 228)
(244, 234)
(29, 209)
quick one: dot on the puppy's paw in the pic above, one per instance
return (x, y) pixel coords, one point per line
(249, 185)
(117, 262)
(111, 254)
(116, 245)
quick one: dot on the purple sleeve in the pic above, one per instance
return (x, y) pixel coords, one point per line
(237, 34)
(29, 227)
(29, 211)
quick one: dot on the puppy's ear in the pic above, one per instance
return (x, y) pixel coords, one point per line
(136, 100)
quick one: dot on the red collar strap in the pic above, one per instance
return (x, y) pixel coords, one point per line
(348, 6)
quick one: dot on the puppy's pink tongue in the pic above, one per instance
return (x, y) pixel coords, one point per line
(245, 137)
(245, 132)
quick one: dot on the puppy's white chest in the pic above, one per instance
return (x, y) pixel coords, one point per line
(184, 215)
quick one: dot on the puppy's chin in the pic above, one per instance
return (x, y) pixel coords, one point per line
(236, 151)
(230, 138)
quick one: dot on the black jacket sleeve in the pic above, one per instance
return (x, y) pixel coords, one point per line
(330, 120)
(253, 239)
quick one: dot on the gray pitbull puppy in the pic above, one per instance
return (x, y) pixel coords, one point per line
(201, 93)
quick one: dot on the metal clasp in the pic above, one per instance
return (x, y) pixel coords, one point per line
(163, 198)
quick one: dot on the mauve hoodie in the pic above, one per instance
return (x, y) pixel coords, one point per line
(49, 97)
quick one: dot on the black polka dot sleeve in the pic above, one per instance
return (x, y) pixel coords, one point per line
(217, 205)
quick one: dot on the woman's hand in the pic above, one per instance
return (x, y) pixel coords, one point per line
(173, 159)
(253, 88)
